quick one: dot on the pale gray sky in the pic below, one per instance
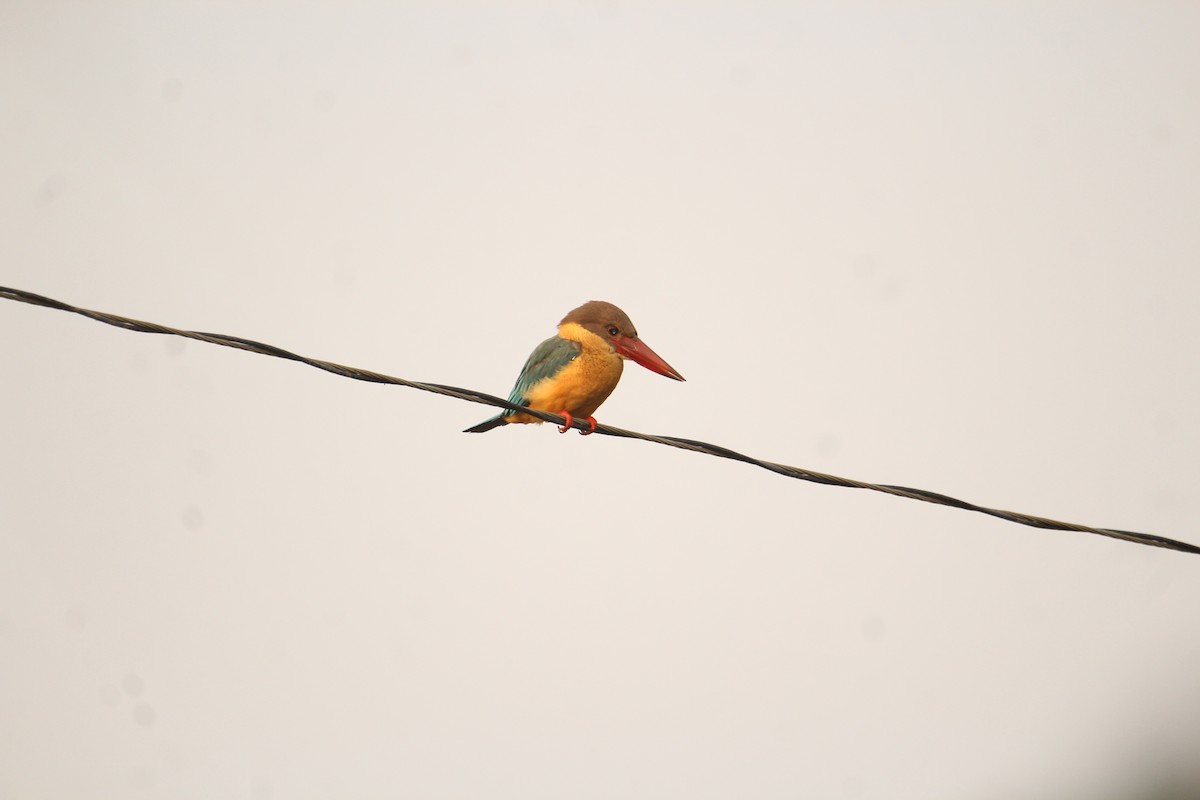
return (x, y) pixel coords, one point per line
(946, 245)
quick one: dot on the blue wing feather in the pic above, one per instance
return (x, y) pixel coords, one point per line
(546, 361)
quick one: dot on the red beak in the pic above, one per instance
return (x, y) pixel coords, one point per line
(634, 348)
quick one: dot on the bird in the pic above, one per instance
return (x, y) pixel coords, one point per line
(572, 373)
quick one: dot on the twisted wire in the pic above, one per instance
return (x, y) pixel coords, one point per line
(473, 396)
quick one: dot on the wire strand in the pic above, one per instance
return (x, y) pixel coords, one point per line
(472, 396)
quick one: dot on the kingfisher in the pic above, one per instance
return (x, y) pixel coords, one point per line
(572, 373)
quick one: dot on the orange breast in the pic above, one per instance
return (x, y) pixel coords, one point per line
(580, 388)
(583, 384)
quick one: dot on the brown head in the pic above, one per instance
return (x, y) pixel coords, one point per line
(614, 326)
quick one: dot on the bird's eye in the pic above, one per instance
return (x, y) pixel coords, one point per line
(612, 330)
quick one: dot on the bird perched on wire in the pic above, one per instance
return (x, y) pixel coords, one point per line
(574, 372)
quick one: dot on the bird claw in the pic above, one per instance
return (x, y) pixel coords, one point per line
(570, 421)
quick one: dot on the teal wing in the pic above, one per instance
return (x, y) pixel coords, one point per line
(546, 361)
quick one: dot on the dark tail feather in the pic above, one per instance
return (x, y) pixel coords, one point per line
(487, 425)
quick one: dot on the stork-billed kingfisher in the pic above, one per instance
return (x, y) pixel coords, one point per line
(574, 372)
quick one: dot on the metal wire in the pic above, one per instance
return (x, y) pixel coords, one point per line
(472, 396)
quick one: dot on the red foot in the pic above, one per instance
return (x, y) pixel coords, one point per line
(571, 421)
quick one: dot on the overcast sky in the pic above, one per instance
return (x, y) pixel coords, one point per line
(946, 245)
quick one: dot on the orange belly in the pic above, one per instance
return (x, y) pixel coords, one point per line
(578, 389)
